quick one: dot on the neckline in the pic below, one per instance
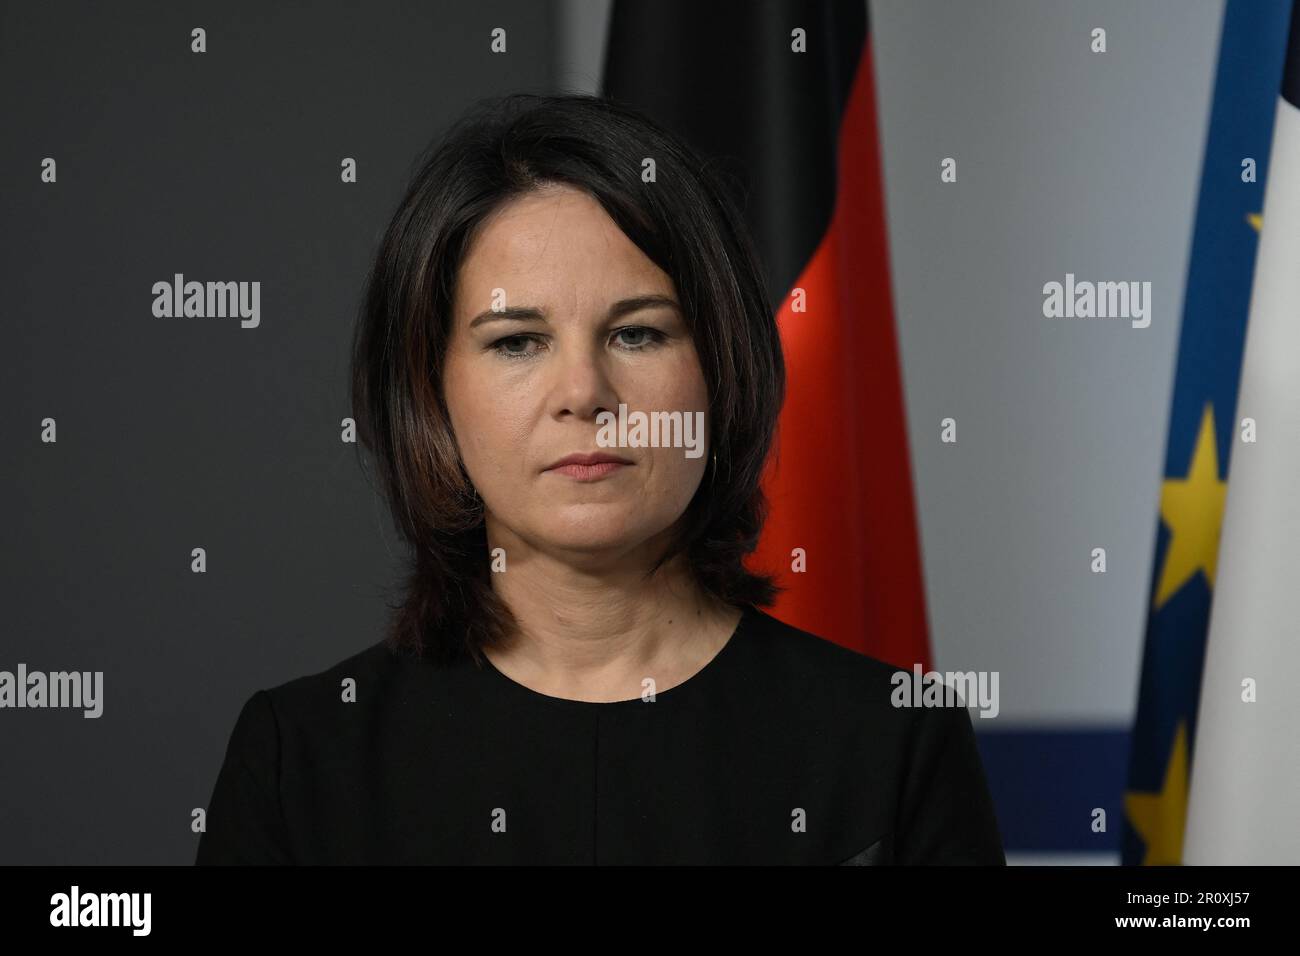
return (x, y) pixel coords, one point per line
(695, 681)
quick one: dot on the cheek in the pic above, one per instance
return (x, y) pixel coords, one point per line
(676, 475)
(687, 392)
(488, 422)
(676, 385)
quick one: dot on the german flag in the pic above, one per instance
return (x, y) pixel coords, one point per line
(779, 97)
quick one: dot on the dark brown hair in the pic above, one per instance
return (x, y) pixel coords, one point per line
(684, 221)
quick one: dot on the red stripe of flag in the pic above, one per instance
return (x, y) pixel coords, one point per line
(840, 482)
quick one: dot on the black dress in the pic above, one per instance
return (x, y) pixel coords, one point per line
(783, 749)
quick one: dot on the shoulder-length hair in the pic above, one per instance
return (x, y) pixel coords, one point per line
(683, 219)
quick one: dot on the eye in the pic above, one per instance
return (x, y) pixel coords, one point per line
(503, 346)
(643, 337)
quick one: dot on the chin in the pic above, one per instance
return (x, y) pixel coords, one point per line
(594, 528)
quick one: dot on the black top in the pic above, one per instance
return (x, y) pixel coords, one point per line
(784, 748)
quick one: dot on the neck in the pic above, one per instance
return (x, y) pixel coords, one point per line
(594, 630)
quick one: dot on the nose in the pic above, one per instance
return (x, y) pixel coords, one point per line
(582, 386)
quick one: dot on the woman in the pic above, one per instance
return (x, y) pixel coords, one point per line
(580, 671)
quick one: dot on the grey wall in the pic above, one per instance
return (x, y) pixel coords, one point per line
(1068, 161)
(183, 433)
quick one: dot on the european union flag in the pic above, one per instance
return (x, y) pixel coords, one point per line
(1201, 426)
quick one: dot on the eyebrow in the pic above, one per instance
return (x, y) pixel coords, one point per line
(617, 310)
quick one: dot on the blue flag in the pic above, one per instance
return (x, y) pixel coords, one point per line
(1202, 426)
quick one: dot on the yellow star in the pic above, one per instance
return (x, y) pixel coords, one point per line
(1192, 507)
(1255, 219)
(1159, 817)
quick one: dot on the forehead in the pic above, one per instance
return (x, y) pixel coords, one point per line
(559, 242)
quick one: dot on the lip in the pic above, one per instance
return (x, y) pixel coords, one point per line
(589, 466)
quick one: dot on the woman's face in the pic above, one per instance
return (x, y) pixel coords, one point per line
(525, 391)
